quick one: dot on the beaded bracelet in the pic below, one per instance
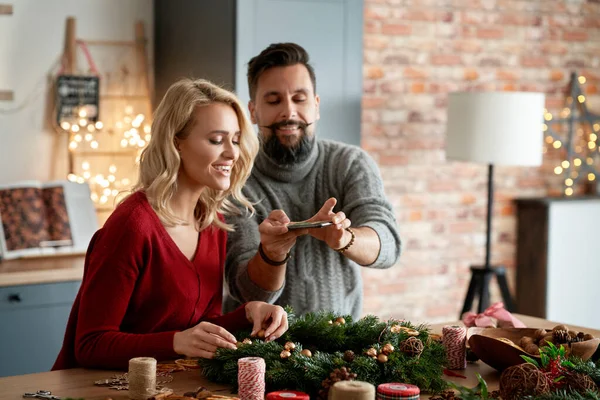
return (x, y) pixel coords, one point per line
(346, 247)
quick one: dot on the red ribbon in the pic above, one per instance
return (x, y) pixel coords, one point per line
(485, 319)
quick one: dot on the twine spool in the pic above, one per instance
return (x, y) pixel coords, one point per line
(352, 390)
(455, 340)
(251, 378)
(142, 378)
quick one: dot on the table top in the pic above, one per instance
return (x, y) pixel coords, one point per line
(36, 270)
(79, 382)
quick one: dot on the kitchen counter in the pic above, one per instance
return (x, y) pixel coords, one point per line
(30, 271)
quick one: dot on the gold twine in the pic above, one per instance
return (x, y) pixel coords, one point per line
(142, 378)
(352, 390)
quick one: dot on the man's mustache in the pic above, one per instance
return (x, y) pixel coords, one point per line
(285, 123)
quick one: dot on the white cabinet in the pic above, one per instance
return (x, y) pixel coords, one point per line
(558, 260)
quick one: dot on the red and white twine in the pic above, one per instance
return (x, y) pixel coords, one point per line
(251, 378)
(455, 340)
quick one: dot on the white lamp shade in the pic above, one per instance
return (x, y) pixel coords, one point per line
(500, 128)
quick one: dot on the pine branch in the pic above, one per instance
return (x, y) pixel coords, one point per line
(586, 367)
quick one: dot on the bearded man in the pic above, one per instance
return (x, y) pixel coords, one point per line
(297, 177)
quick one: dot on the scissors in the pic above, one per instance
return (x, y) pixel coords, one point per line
(42, 394)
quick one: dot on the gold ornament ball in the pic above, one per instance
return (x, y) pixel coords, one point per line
(382, 358)
(306, 352)
(387, 349)
(341, 320)
(395, 329)
(261, 334)
(336, 323)
(330, 322)
(238, 344)
(285, 354)
(290, 346)
(247, 341)
(372, 352)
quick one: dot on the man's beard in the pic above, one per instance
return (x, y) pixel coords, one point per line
(286, 154)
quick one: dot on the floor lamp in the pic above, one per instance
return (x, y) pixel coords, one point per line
(493, 128)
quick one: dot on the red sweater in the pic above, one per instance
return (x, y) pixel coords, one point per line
(139, 289)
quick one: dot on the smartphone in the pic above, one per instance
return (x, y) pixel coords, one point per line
(308, 225)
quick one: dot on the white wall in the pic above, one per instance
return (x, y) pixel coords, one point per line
(31, 44)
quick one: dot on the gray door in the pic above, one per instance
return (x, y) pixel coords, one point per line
(331, 32)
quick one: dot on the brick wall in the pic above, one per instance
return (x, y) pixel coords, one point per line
(415, 52)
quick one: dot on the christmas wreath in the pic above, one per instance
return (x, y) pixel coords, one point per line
(322, 348)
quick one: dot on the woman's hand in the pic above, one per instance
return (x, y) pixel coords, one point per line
(271, 318)
(203, 340)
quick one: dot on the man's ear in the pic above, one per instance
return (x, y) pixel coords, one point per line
(252, 110)
(317, 105)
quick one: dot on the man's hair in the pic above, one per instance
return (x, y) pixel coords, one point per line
(278, 55)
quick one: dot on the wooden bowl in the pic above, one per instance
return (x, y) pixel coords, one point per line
(486, 343)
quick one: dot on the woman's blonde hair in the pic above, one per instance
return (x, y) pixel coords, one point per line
(160, 160)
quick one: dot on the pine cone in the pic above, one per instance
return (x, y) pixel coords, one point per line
(560, 336)
(337, 375)
(349, 356)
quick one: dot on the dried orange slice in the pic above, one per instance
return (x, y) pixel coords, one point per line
(191, 363)
(169, 367)
(409, 331)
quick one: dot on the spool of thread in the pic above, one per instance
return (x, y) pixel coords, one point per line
(388, 391)
(142, 378)
(251, 378)
(287, 394)
(455, 340)
(352, 390)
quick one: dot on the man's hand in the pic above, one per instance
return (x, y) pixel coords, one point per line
(276, 240)
(334, 235)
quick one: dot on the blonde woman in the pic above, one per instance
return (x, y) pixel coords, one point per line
(153, 276)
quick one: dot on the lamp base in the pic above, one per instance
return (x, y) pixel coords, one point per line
(480, 287)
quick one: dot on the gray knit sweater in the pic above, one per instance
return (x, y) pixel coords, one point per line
(317, 278)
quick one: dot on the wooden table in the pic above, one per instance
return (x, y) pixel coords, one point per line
(79, 383)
